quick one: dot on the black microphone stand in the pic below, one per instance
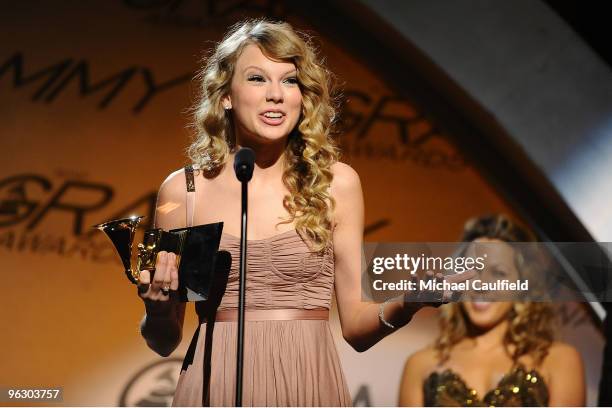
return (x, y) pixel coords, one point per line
(243, 165)
(241, 294)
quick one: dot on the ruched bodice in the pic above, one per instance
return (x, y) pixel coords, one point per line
(287, 362)
(282, 274)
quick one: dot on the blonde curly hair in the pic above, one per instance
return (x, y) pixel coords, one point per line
(310, 150)
(530, 330)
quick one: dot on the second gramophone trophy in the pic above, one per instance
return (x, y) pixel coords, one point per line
(196, 249)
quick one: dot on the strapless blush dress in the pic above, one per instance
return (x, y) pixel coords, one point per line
(290, 358)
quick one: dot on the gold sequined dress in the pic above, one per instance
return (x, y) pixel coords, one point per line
(518, 387)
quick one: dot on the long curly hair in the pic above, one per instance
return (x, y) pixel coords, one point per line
(530, 329)
(310, 150)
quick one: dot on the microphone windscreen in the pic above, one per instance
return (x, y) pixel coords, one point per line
(244, 162)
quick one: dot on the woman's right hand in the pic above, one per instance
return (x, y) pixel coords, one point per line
(156, 292)
(162, 326)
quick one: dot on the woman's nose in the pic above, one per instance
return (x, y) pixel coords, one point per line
(274, 92)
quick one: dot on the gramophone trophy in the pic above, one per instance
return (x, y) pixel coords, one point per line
(196, 249)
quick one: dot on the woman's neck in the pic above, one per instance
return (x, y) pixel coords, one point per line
(269, 160)
(487, 339)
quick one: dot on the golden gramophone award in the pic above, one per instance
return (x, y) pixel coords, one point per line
(196, 249)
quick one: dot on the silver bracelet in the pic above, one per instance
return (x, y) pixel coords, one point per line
(381, 314)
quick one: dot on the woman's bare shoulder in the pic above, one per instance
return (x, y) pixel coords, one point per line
(345, 179)
(171, 200)
(344, 173)
(562, 355)
(423, 361)
(174, 186)
(346, 192)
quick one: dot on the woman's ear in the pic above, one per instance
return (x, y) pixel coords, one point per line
(226, 102)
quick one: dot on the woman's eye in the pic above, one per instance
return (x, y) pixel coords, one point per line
(255, 78)
(292, 80)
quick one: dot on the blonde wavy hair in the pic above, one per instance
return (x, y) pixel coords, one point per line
(310, 150)
(530, 330)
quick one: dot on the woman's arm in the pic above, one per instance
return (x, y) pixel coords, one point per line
(361, 326)
(567, 384)
(162, 324)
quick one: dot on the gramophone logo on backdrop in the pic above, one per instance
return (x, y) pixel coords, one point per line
(30, 202)
(153, 386)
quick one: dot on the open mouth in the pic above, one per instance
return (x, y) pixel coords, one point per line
(480, 306)
(272, 118)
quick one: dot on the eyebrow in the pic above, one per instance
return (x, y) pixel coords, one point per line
(263, 70)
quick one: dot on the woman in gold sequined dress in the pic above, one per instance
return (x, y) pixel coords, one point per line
(495, 353)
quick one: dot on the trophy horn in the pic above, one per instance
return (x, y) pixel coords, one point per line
(121, 233)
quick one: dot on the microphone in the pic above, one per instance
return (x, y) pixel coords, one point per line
(244, 162)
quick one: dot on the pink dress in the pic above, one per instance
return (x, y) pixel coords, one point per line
(286, 362)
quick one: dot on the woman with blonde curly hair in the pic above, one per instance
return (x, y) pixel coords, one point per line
(264, 87)
(495, 353)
